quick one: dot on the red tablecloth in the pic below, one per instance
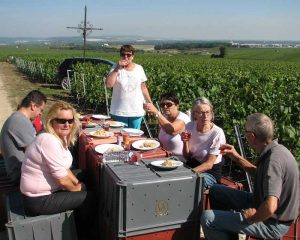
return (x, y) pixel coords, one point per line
(91, 161)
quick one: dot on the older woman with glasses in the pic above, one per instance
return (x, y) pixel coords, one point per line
(48, 185)
(128, 81)
(171, 121)
(201, 142)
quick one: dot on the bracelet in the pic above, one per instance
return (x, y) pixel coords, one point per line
(157, 114)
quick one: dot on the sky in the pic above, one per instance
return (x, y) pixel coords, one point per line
(171, 19)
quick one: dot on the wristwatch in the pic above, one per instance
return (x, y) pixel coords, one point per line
(157, 114)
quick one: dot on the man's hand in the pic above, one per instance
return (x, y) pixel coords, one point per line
(248, 213)
(229, 150)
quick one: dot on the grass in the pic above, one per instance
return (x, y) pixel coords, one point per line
(272, 54)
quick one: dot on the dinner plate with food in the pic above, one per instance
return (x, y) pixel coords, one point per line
(79, 116)
(108, 148)
(115, 124)
(88, 124)
(132, 131)
(100, 116)
(146, 144)
(101, 133)
(168, 163)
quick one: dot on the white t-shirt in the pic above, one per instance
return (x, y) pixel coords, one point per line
(127, 97)
(202, 144)
(173, 143)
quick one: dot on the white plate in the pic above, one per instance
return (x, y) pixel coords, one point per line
(158, 164)
(107, 134)
(108, 148)
(132, 131)
(91, 125)
(100, 116)
(115, 124)
(140, 144)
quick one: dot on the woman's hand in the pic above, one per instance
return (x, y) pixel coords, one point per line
(150, 108)
(186, 136)
(123, 63)
(82, 186)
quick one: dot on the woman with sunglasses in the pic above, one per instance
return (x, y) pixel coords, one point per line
(202, 141)
(48, 185)
(128, 81)
(171, 121)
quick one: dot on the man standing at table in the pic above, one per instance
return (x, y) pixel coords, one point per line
(269, 211)
(18, 132)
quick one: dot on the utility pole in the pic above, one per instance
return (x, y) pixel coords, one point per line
(86, 28)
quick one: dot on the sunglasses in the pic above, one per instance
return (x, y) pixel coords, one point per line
(167, 104)
(128, 55)
(63, 121)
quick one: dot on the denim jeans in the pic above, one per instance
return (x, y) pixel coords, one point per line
(226, 224)
(131, 122)
(209, 180)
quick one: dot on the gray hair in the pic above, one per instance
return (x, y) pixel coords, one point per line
(201, 101)
(261, 125)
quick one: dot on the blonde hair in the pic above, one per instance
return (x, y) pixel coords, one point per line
(53, 113)
(201, 101)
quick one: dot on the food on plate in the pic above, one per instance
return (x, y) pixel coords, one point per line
(81, 117)
(148, 144)
(168, 163)
(100, 133)
(89, 122)
(111, 149)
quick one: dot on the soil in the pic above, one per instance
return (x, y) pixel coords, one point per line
(15, 85)
(5, 107)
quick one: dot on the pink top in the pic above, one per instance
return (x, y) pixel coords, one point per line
(46, 160)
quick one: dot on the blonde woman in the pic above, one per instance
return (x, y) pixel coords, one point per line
(47, 184)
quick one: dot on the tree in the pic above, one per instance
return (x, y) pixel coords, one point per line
(222, 51)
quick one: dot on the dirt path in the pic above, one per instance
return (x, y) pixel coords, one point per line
(5, 106)
(15, 85)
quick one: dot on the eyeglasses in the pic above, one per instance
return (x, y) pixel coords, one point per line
(247, 131)
(203, 113)
(128, 55)
(166, 104)
(63, 121)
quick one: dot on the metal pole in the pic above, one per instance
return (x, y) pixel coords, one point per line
(242, 150)
(84, 33)
(106, 96)
(147, 127)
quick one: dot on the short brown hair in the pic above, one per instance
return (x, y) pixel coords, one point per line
(127, 48)
(34, 96)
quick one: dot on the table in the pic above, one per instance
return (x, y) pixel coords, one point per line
(184, 181)
(91, 161)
